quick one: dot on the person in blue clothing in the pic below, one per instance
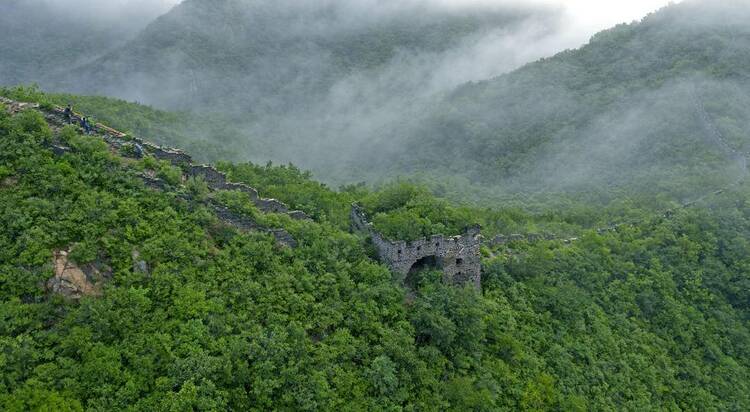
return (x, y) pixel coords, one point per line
(138, 150)
(86, 125)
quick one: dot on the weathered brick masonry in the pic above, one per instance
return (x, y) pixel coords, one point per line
(458, 256)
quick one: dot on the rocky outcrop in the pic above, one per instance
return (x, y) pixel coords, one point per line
(458, 256)
(74, 282)
(14, 107)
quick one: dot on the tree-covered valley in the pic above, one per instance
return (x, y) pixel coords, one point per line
(609, 182)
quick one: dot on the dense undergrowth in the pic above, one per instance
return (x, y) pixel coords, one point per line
(653, 316)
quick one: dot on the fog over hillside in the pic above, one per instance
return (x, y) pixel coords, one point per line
(369, 90)
(374, 205)
(305, 80)
(43, 38)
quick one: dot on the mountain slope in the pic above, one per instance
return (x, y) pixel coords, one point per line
(634, 111)
(44, 39)
(195, 314)
(268, 57)
(620, 113)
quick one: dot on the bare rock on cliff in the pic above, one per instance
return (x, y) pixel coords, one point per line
(73, 281)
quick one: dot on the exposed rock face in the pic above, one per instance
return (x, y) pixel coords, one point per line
(139, 265)
(458, 257)
(13, 106)
(74, 282)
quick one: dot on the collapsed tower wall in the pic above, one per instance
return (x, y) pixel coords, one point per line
(458, 257)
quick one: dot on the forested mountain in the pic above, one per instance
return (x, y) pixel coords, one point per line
(610, 183)
(269, 57)
(311, 81)
(658, 106)
(44, 39)
(188, 312)
(361, 94)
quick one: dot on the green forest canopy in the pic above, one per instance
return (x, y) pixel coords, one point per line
(652, 316)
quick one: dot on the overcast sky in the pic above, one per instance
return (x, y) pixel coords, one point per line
(590, 14)
(595, 15)
(586, 17)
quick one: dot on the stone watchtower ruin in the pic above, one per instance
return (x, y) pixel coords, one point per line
(458, 256)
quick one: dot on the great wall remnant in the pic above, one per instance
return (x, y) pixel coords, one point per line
(457, 256)
(214, 179)
(217, 180)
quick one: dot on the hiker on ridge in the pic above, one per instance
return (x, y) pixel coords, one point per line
(69, 113)
(138, 151)
(86, 125)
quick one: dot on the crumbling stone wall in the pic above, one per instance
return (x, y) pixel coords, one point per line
(215, 179)
(272, 206)
(531, 238)
(458, 256)
(245, 223)
(241, 187)
(174, 156)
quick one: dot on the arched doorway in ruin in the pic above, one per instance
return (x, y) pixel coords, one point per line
(426, 263)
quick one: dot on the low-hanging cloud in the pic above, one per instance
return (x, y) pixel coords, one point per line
(269, 94)
(126, 16)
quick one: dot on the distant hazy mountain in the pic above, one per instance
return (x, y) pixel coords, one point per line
(44, 39)
(369, 90)
(660, 105)
(271, 57)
